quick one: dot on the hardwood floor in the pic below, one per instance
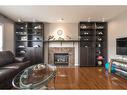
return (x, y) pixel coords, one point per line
(87, 78)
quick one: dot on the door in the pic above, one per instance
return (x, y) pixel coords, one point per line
(35, 55)
(91, 56)
(87, 56)
(30, 55)
(83, 56)
(38, 55)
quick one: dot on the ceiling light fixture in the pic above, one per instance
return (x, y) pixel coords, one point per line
(60, 20)
(34, 20)
(103, 19)
(89, 19)
(19, 20)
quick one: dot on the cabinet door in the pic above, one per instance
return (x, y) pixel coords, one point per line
(83, 56)
(39, 55)
(91, 56)
(87, 56)
(35, 55)
(30, 54)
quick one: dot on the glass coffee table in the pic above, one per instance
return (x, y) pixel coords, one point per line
(35, 77)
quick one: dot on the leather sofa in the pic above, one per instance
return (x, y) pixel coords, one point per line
(9, 67)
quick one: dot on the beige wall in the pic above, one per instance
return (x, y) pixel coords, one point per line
(70, 29)
(116, 28)
(8, 34)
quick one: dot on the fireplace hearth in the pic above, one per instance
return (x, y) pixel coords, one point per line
(61, 58)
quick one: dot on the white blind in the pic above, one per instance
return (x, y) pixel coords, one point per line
(1, 37)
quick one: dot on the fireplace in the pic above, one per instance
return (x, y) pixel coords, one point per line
(61, 58)
(54, 51)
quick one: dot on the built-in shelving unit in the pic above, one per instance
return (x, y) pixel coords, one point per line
(29, 39)
(93, 43)
(120, 67)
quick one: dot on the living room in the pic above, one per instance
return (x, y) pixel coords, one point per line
(63, 47)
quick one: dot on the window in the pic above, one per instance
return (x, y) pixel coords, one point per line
(1, 37)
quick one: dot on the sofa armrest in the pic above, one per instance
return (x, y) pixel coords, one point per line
(20, 59)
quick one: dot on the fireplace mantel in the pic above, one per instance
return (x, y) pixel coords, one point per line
(61, 40)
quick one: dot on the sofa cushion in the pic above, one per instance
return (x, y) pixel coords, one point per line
(6, 57)
(6, 73)
(20, 59)
(18, 66)
(13, 66)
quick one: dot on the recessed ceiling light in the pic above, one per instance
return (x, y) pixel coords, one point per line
(89, 19)
(34, 20)
(60, 20)
(103, 19)
(19, 20)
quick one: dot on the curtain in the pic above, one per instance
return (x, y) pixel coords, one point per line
(1, 37)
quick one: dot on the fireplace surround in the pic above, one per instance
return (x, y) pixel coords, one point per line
(55, 51)
(61, 58)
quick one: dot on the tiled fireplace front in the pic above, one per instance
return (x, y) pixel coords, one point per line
(68, 50)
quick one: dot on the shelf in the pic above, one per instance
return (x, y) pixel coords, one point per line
(125, 77)
(120, 60)
(61, 40)
(35, 47)
(28, 34)
(91, 35)
(92, 29)
(35, 40)
(21, 28)
(27, 29)
(99, 35)
(21, 40)
(87, 41)
(29, 40)
(20, 53)
(21, 34)
(34, 34)
(119, 67)
(86, 35)
(100, 59)
(60, 62)
(21, 47)
(99, 28)
(29, 37)
(87, 29)
(33, 29)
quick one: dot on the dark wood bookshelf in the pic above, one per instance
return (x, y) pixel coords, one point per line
(93, 43)
(29, 40)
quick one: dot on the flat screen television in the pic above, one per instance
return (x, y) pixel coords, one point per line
(121, 46)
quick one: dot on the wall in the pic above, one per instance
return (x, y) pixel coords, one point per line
(8, 33)
(116, 28)
(70, 29)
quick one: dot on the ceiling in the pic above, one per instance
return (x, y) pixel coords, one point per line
(70, 14)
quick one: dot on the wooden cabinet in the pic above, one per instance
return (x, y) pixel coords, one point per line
(39, 55)
(29, 40)
(87, 56)
(35, 55)
(93, 43)
(83, 57)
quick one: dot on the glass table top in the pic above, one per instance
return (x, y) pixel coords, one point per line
(34, 77)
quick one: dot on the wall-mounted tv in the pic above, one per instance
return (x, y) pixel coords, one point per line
(121, 46)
